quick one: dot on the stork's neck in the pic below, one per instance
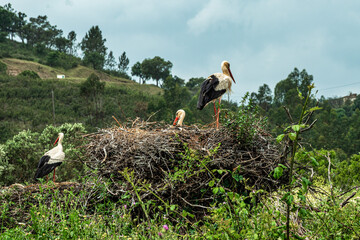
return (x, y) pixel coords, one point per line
(181, 119)
(225, 71)
(60, 140)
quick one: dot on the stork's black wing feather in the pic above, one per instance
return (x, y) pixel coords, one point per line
(208, 93)
(41, 166)
(44, 159)
(46, 169)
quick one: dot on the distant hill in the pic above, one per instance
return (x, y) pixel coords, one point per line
(26, 103)
(16, 66)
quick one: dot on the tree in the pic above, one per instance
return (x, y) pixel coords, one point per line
(286, 90)
(39, 31)
(123, 63)
(175, 94)
(7, 21)
(71, 42)
(110, 61)
(263, 98)
(61, 44)
(93, 46)
(136, 71)
(195, 83)
(156, 68)
(92, 89)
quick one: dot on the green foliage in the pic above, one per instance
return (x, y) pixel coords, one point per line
(123, 63)
(3, 68)
(92, 89)
(246, 121)
(156, 68)
(40, 32)
(20, 155)
(347, 173)
(29, 74)
(60, 59)
(93, 46)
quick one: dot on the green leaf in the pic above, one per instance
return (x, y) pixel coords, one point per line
(302, 197)
(280, 137)
(215, 190)
(314, 162)
(278, 172)
(290, 199)
(172, 207)
(281, 165)
(314, 109)
(292, 136)
(211, 183)
(306, 181)
(238, 177)
(296, 128)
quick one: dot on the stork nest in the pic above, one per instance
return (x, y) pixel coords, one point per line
(180, 166)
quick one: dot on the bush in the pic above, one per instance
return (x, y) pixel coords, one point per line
(19, 156)
(3, 68)
(29, 74)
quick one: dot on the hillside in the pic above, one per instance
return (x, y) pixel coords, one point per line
(27, 103)
(16, 66)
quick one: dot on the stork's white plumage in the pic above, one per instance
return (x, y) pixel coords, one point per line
(214, 87)
(180, 115)
(51, 159)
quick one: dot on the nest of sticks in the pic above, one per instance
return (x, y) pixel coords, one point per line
(175, 166)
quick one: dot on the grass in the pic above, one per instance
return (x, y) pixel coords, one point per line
(54, 214)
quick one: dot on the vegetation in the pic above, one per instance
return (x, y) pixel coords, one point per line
(319, 141)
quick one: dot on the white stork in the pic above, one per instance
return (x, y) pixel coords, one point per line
(51, 159)
(180, 115)
(214, 87)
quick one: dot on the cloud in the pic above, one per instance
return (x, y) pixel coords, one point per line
(215, 14)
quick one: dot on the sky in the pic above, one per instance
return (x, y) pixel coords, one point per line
(264, 40)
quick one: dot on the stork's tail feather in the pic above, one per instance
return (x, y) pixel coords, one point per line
(45, 170)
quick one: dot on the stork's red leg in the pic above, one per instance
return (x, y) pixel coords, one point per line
(218, 115)
(214, 109)
(54, 175)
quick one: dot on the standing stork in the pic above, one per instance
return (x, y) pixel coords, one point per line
(179, 118)
(51, 159)
(214, 87)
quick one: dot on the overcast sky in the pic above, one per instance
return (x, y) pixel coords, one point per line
(264, 40)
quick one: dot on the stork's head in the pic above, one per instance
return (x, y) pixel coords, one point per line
(180, 115)
(225, 67)
(60, 138)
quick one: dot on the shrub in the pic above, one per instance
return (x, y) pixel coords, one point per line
(29, 74)
(3, 68)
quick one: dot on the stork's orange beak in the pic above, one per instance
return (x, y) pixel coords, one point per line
(56, 140)
(176, 119)
(231, 76)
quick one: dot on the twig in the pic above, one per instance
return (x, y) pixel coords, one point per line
(105, 155)
(193, 205)
(357, 188)
(331, 186)
(117, 121)
(347, 199)
(152, 115)
(309, 127)
(288, 114)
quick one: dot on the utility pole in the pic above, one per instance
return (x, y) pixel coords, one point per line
(53, 105)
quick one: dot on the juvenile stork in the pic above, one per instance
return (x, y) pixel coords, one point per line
(179, 118)
(51, 159)
(214, 87)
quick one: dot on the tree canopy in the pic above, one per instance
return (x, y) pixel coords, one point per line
(93, 46)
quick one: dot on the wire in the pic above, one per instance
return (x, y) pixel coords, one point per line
(339, 86)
